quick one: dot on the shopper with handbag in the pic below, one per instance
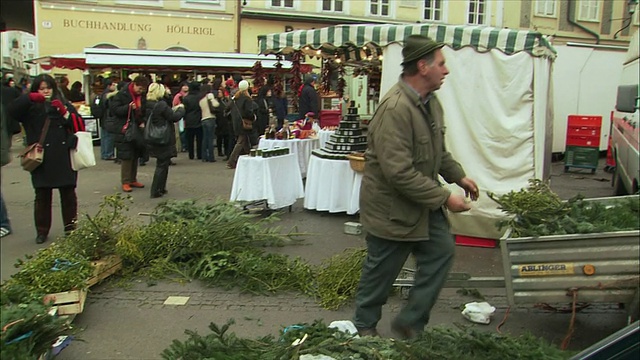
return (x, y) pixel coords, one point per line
(162, 146)
(243, 119)
(128, 107)
(47, 121)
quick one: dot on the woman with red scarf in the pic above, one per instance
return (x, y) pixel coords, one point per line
(128, 106)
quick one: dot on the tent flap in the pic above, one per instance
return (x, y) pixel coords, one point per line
(481, 38)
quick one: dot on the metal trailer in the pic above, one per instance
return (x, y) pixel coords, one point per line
(582, 268)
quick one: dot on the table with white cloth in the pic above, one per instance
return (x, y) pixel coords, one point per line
(300, 148)
(332, 186)
(324, 136)
(275, 179)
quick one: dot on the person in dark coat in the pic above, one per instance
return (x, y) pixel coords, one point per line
(193, 120)
(223, 122)
(75, 94)
(308, 101)
(280, 107)
(159, 113)
(130, 103)
(265, 108)
(242, 107)
(32, 109)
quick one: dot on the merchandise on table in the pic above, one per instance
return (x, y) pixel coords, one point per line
(347, 139)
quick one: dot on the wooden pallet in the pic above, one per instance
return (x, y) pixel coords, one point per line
(104, 268)
(67, 302)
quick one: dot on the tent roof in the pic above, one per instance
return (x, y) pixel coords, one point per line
(481, 38)
(157, 60)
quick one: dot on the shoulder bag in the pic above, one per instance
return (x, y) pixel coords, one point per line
(247, 124)
(156, 134)
(132, 133)
(33, 155)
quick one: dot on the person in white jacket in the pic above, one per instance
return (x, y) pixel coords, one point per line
(208, 105)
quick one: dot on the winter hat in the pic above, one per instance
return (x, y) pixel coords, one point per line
(417, 46)
(243, 85)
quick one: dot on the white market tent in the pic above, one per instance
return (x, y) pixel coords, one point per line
(497, 99)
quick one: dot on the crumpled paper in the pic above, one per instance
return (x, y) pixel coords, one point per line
(478, 312)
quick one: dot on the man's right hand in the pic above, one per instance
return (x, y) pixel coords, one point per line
(457, 203)
(36, 97)
(133, 105)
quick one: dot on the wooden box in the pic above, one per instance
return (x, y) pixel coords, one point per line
(104, 268)
(67, 302)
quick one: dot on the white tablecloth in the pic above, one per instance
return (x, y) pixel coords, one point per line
(301, 148)
(324, 136)
(332, 186)
(276, 179)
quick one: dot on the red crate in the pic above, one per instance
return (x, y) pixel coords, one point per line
(583, 131)
(588, 141)
(475, 241)
(585, 120)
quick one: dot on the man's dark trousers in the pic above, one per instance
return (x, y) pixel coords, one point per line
(385, 259)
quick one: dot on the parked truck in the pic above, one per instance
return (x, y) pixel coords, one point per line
(625, 121)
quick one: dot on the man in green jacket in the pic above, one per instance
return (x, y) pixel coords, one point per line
(402, 202)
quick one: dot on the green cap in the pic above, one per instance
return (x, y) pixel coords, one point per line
(417, 46)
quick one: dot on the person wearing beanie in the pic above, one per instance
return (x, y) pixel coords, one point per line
(242, 107)
(401, 199)
(308, 101)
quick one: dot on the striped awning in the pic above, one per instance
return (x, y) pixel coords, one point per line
(481, 38)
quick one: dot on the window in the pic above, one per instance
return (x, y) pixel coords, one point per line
(379, 7)
(477, 12)
(203, 4)
(589, 10)
(31, 45)
(433, 10)
(282, 3)
(546, 8)
(154, 3)
(332, 5)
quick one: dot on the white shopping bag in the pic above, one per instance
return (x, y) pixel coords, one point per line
(82, 156)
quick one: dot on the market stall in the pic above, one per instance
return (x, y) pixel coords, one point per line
(496, 98)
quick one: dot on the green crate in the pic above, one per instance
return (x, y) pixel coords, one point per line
(581, 157)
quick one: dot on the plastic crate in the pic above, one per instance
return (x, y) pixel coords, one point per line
(585, 141)
(581, 157)
(585, 120)
(583, 131)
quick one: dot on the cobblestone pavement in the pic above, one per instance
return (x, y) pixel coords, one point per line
(132, 322)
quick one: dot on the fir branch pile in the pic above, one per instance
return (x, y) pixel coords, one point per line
(435, 343)
(538, 211)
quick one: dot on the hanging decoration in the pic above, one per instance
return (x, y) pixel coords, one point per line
(278, 85)
(341, 81)
(325, 78)
(295, 81)
(258, 75)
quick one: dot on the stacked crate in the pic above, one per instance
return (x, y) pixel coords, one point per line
(583, 142)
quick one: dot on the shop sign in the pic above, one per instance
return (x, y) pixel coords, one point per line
(135, 27)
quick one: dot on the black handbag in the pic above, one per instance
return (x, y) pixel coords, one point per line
(132, 133)
(156, 134)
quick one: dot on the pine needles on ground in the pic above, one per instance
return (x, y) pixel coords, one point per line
(436, 343)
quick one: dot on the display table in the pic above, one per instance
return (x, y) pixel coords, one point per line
(332, 186)
(324, 136)
(300, 148)
(276, 179)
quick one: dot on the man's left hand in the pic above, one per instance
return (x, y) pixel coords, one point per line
(470, 188)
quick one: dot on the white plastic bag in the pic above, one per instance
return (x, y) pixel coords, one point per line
(346, 326)
(82, 156)
(478, 312)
